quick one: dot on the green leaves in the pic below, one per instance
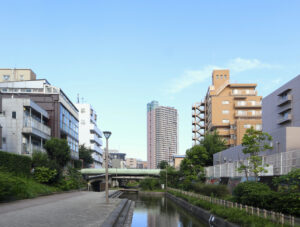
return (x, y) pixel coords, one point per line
(86, 155)
(44, 174)
(58, 150)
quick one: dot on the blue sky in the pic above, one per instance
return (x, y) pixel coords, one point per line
(120, 55)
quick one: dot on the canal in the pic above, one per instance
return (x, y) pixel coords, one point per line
(158, 210)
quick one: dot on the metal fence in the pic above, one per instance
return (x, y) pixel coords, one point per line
(278, 164)
(271, 215)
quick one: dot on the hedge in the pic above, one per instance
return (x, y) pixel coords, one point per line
(18, 164)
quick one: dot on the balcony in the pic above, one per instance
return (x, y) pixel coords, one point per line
(223, 132)
(248, 114)
(33, 126)
(286, 118)
(282, 100)
(247, 105)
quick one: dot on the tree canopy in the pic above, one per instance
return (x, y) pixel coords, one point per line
(58, 150)
(163, 164)
(86, 155)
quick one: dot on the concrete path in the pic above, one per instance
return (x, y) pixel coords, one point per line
(67, 209)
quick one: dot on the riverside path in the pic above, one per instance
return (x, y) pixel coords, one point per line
(67, 209)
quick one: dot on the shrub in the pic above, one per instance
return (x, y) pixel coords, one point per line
(40, 159)
(149, 184)
(219, 191)
(44, 175)
(16, 187)
(253, 194)
(58, 150)
(72, 179)
(18, 164)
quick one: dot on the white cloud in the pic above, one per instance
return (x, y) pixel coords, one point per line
(190, 77)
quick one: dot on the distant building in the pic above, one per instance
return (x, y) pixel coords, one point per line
(7, 75)
(281, 119)
(131, 163)
(141, 164)
(162, 134)
(23, 125)
(89, 134)
(63, 115)
(228, 108)
(118, 159)
(177, 159)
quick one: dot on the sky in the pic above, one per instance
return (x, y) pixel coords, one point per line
(120, 55)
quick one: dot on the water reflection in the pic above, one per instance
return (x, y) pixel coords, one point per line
(159, 211)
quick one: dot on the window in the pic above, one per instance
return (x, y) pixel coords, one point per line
(225, 102)
(4, 140)
(217, 76)
(225, 76)
(247, 126)
(225, 111)
(225, 121)
(258, 127)
(14, 115)
(221, 77)
(82, 110)
(6, 77)
(235, 91)
(21, 77)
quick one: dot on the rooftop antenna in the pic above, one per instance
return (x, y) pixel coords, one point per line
(82, 100)
(77, 98)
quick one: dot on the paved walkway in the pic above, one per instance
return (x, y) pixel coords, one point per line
(67, 209)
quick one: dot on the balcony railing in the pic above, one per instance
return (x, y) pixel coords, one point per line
(243, 92)
(285, 118)
(284, 99)
(30, 122)
(248, 104)
(248, 114)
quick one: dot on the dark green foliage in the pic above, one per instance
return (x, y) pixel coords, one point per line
(233, 215)
(192, 165)
(44, 175)
(172, 177)
(213, 143)
(253, 194)
(18, 164)
(219, 191)
(72, 179)
(86, 155)
(40, 159)
(17, 187)
(77, 164)
(150, 184)
(163, 164)
(58, 150)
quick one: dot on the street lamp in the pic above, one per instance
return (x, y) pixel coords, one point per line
(107, 134)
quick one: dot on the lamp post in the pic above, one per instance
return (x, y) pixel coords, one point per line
(107, 134)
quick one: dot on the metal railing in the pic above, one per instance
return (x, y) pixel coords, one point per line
(33, 123)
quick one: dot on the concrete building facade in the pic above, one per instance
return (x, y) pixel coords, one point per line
(7, 75)
(23, 125)
(162, 134)
(228, 108)
(118, 160)
(131, 163)
(281, 119)
(63, 115)
(89, 134)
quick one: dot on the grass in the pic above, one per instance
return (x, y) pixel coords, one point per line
(14, 187)
(233, 215)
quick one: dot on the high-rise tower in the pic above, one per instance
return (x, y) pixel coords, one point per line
(162, 136)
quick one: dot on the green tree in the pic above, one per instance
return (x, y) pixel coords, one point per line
(58, 150)
(40, 159)
(163, 164)
(192, 166)
(86, 155)
(213, 143)
(254, 141)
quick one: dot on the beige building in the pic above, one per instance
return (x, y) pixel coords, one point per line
(177, 159)
(228, 108)
(131, 163)
(7, 75)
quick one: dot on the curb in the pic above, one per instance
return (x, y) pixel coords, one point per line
(113, 217)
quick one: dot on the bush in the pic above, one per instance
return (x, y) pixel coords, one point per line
(220, 191)
(253, 194)
(16, 187)
(40, 159)
(150, 184)
(18, 164)
(44, 175)
(72, 179)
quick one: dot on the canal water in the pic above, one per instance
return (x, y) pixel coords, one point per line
(159, 211)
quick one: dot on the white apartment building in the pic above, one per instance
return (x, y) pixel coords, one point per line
(23, 125)
(162, 134)
(89, 134)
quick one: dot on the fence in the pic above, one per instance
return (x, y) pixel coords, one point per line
(271, 215)
(278, 164)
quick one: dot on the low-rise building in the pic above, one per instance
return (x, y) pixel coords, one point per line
(177, 159)
(63, 115)
(118, 159)
(89, 134)
(7, 75)
(23, 125)
(141, 164)
(131, 163)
